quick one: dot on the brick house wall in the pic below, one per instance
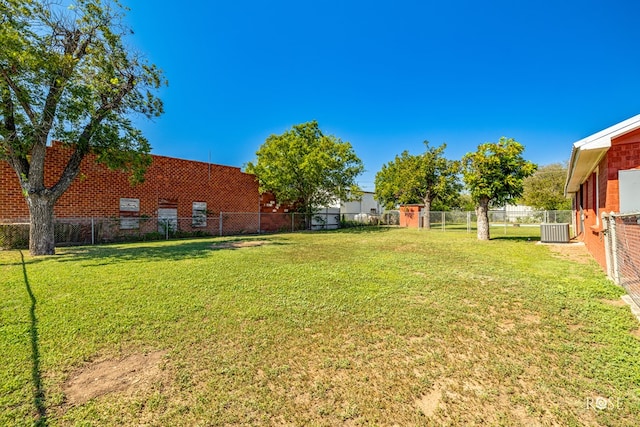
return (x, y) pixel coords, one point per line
(600, 192)
(624, 154)
(12, 203)
(97, 191)
(589, 205)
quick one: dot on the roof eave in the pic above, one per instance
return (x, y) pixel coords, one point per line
(582, 164)
(588, 152)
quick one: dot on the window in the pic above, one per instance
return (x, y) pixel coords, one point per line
(129, 213)
(199, 214)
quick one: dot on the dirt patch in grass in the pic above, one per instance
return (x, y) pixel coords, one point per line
(572, 251)
(429, 402)
(97, 379)
(615, 302)
(497, 402)
(238, 244)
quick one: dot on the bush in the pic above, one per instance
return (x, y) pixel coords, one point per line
(350, 224)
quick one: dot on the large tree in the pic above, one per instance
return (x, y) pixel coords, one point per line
(425, 178)
(66, 74)
(545, 188)
(494, 175)
(304, 166)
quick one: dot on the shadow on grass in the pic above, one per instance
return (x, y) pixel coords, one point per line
(174, 250)
(359, 229)
(531, 239)
(38, 393)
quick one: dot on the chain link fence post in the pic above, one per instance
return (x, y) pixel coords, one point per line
(614, 249)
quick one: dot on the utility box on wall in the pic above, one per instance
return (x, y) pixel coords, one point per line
(554, 233)
(628, 185)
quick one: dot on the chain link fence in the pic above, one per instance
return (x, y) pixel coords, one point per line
(467, 220)
(622, 251)
(89, 231)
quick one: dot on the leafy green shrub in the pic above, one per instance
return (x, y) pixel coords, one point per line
(345, 223)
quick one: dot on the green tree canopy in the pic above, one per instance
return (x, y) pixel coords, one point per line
(307, 167)
(545, 188)
(463, 203)
(427, 178)
(66, 74)
(494, 175)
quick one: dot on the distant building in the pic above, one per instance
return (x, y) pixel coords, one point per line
(367, 205)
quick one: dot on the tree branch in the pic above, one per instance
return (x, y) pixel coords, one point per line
(17, 90)
(70, 43)
(83, 143)
(8, 112)
(18, 162)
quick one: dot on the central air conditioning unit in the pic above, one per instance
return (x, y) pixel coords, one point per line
(554, 233)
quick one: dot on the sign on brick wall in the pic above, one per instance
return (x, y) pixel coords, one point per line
(129, 205)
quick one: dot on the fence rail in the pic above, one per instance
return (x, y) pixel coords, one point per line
(622, 251)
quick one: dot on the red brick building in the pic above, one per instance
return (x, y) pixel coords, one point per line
(173, 188)
(410, 215)
(603, 176)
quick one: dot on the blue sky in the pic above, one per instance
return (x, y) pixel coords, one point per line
(386, 76)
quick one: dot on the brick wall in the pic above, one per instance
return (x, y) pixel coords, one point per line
(278, 217)
(97, 190)
(592, 235)
(624, 154)
(12, 204)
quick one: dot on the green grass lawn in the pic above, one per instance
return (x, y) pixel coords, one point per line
(356, 327)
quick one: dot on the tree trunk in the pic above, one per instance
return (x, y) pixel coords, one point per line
(482, 215)
(426, 217)
(308, 217)
(41, 231)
